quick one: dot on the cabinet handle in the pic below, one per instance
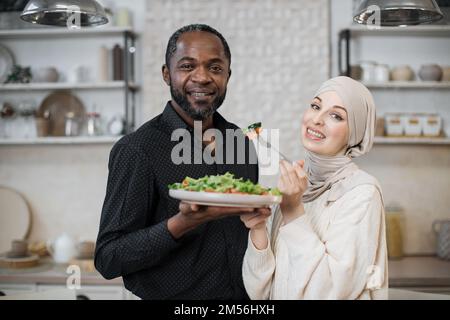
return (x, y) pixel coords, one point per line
(344, 35)
(82, 297)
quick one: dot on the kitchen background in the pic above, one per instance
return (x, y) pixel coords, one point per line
(281, 52)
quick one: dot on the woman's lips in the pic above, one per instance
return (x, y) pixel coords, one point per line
(314, 134)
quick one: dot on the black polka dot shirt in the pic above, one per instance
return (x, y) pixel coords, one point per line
(133, 240)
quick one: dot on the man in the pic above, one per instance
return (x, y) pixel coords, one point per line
(162, 248)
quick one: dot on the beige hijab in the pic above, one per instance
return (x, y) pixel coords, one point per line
(324, 172)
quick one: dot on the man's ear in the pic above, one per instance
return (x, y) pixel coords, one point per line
(166, 74)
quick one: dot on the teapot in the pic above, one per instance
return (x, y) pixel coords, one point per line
(442, 229)
(63, 249)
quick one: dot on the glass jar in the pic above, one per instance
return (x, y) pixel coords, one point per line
(394, 232)
(71, 125)
(93, 124)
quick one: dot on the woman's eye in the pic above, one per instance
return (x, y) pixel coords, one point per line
(337, 117)
(315, 106)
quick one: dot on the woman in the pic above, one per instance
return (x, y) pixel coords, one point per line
(327, 237)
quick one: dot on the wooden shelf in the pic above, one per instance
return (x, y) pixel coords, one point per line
(409, 85)
(61, 140)
(427, 30)
(411, 141)
(58, 32)
(66, 85)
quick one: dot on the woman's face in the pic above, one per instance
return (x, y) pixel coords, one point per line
(325, 125)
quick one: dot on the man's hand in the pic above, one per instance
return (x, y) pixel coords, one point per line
(192, 215)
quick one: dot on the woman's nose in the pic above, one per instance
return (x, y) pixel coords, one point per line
(318, 119)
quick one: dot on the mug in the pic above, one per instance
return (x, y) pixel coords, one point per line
(368, 71)
(19, 249)
(381, 73)
(79, 74)
(86, 250)
(442, 230)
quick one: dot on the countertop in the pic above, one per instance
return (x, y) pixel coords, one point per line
(424, 271)
(48, 272)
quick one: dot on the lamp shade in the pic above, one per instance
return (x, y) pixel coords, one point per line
(399, 13)
(58, 12)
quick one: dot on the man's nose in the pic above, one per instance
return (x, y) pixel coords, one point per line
(200, 75)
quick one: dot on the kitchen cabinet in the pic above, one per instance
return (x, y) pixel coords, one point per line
(420, 274)
(16, 289)
(86, 292)
(92, 292)
(414, 46)
(67, 49)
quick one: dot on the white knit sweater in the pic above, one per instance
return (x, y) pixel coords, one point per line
(331, 252)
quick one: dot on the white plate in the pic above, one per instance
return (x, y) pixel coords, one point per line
(225, 199)
(6, 63)
(15, 217)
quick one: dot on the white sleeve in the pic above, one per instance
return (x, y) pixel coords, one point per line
(335, 267)
(257, 271)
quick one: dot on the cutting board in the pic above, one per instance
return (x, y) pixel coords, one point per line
(15, 218)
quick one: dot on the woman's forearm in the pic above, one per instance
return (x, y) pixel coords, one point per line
(259, 238)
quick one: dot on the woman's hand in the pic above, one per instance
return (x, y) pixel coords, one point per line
(293, 183)
(256, 220)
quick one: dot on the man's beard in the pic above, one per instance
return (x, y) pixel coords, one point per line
(195, 114)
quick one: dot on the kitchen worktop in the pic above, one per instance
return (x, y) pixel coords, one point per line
(424, 271)
(419, 271)
(48, 272)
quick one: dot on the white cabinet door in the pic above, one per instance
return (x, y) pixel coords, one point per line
(93, 292)
(15, 289)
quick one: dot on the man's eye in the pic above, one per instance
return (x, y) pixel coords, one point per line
(186, 67)
(216, 68)
(315, 106)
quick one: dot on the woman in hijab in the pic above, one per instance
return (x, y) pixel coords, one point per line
(326, 240)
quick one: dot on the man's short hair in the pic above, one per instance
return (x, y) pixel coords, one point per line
(172, 44)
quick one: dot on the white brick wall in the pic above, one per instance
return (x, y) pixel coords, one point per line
(280, 56)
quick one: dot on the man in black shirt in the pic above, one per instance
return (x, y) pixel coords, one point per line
(162, 248)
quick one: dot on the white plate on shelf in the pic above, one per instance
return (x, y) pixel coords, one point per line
(15, 217)
(225, 199)
(6, 63)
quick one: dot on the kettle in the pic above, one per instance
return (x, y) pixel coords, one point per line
(442, 230)
(63, 249)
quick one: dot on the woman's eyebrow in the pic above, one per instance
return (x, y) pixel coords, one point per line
(339, 107)
(318, 99)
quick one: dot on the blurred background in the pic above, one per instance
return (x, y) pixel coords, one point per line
(66, 96)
